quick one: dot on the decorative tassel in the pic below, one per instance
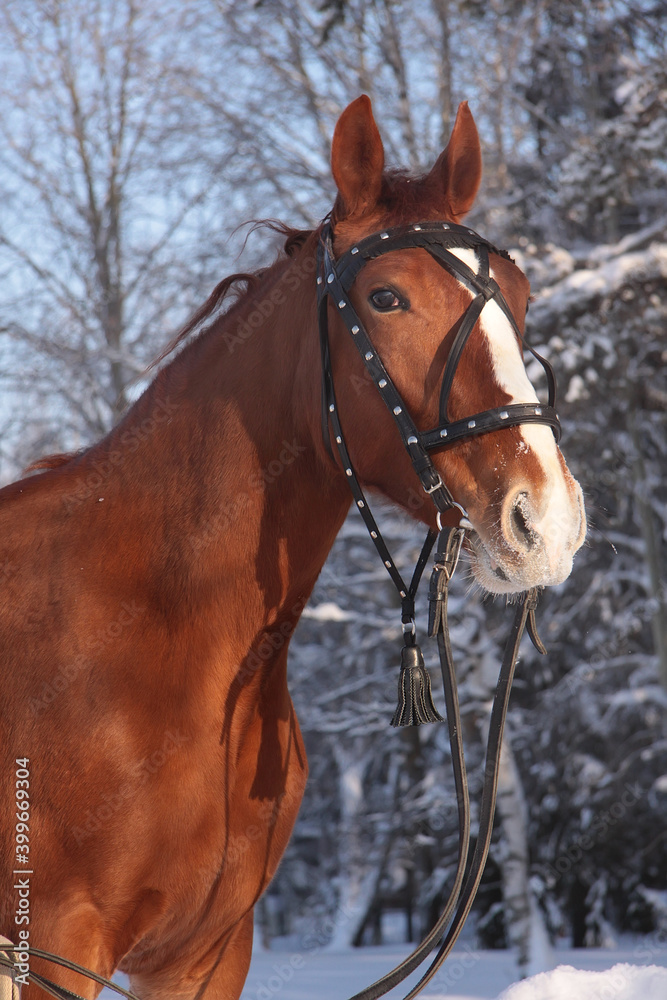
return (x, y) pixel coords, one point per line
(415, 701)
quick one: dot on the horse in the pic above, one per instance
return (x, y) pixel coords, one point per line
(152, 582)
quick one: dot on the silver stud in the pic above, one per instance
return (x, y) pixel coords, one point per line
(355, 330)
(471, 424)
(417, 228)
(348, 472)
(504, 415)
(368, 355)
(331, 407)
(412, 439)
(360, 503)
(472, 232)
(319, 279)
(443, 433)
(374, 534)
(387, 564)
(402, 593)
(382, 383)
(354, 250)
(538, 411)
(339, 440)
(445, 225)
(384, 236)
(397, 410)
(330, 278)
(341, 304)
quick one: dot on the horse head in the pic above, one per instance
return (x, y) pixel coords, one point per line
(524, 505)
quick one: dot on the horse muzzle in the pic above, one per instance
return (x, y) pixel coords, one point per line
(534, 541)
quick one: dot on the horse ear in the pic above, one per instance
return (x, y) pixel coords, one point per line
(357, 160)
(458, 169)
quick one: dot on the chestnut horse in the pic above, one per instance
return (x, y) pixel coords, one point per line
(152, 582)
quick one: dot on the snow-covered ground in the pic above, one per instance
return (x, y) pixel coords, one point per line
(635, 971)
(622, 982)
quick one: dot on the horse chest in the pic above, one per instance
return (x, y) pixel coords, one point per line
(220, 843)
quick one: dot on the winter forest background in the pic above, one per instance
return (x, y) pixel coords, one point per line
(134, 138)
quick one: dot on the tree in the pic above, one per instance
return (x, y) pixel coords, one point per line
(591, 746)
(103, 199)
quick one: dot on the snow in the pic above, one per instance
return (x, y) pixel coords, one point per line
(468, 974)
(622, 982)
(328, 612)
(573, 293)
(576, 389)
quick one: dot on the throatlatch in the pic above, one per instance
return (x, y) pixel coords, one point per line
(415, 702)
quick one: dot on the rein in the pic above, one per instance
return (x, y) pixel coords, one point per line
(7, 950)
(415, 702)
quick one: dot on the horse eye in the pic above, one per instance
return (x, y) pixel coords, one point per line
(384, 300)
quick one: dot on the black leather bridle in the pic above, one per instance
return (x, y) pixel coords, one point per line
(335, 279)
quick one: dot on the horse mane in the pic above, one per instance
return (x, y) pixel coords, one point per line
(408, 197)
(241, 283)
(52, 461)
(233, 283)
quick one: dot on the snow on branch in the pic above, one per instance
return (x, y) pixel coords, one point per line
(581, 290)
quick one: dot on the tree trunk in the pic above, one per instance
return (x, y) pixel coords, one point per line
(357, 884)
(524, 924)
(652, 546)
(441, 8)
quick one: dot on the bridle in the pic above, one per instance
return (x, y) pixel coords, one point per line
(335, 278)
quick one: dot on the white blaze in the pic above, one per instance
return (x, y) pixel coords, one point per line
(557, 523)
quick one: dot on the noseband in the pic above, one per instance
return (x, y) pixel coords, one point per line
(335, 279)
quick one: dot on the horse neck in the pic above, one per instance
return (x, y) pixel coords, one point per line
(239, 499)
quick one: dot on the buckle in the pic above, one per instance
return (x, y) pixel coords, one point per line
(448, 559)
(432, 489)
(463, 523)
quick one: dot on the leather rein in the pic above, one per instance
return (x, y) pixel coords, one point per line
(335, 278)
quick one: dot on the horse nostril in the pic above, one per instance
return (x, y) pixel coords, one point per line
(519, 523)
